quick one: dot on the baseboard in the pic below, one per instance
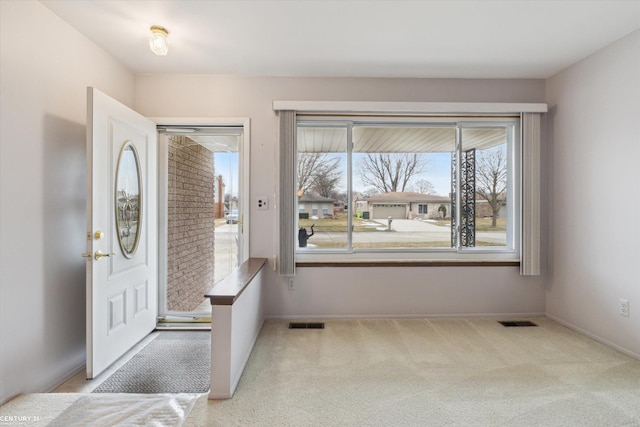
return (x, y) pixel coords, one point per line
(409, 316)
(8, 398)
(593, 336)
(51, 386)
(66, 377)
(219, 396)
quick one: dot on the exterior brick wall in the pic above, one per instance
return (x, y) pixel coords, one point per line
(190, 240)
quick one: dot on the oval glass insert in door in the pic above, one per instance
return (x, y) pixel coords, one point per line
(128, 199)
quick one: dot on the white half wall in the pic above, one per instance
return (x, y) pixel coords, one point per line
(45, 67)
(348, 291)
(407, 291)
(594, 131)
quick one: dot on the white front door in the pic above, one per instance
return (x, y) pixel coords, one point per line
(121, 230)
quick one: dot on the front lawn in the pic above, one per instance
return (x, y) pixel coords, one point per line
(397, 245)
(482, 224)
(336, 225)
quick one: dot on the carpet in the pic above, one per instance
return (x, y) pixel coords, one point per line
(174, 362)
(428, 372)
(412, 372)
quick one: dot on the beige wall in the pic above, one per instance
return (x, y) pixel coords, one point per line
(594, 133)
(190, 224)
(593, 129)
(308, 208)
(355, 291)
(45, 67)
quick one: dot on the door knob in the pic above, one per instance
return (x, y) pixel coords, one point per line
(99, 255)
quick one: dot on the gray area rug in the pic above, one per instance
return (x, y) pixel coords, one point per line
(174, 362)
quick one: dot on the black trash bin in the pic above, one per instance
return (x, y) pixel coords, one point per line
(365, 214)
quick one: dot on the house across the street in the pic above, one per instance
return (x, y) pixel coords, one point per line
(316, 206)
(406, 205)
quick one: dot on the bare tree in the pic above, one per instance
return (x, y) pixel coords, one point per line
(318, 172)
(389, 172)
(326, 183)
(338, 195)
(424, 186)
(369, 192)
(491, 179)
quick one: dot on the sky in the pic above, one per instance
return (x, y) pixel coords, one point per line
(226, 164)
(438, 173)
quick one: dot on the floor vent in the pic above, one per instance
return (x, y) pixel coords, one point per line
(516, 323)
(306, 325)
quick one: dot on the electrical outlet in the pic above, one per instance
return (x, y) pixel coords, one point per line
(263, 203)
(290, 284)
(624, 307)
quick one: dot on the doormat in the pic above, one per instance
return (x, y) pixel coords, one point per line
(174, 362)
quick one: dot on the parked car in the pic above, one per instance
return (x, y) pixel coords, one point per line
(232, 217)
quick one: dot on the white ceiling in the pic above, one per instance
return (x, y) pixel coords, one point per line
(346, 38)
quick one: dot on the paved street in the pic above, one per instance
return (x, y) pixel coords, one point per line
(403, 230)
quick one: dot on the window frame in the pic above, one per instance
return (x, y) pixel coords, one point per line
(511, 252)
(214, 125)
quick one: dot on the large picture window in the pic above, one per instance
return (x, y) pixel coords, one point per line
(406, 188)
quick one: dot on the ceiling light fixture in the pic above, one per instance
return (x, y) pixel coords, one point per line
(158, 40)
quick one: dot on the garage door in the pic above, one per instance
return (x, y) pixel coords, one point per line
(383, 211)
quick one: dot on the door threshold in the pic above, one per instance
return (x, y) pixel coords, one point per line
(183, 327)
(198, 323)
